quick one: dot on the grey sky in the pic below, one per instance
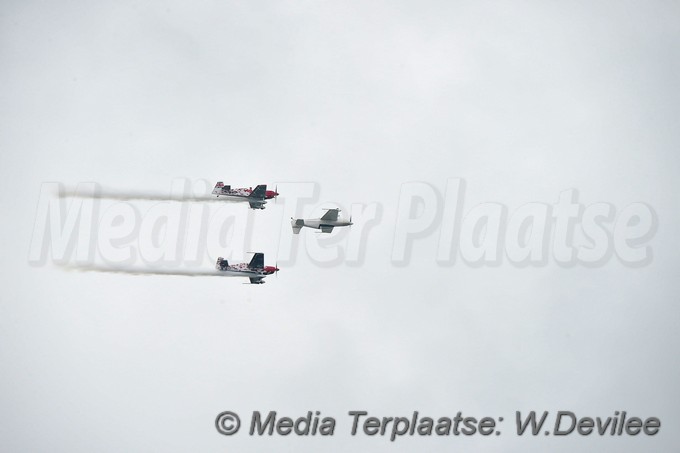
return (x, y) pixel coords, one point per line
(522, 100)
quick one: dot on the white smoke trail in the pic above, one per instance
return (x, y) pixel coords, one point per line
(142, 196)
(138, 271)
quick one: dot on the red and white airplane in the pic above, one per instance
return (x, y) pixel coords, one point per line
(255, 197)
(256, 271)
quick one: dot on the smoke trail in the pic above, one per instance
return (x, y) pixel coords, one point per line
(143, 196)
(138, 271)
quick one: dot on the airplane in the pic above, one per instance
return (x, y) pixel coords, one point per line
(256, 271)
(255, 197)
(326, 223)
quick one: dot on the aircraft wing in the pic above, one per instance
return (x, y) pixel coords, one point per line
(326, 228)
(331, 215)
(256, 280)
(259, 191)
(257, 262)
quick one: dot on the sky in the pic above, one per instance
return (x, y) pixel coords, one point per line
(353, 101)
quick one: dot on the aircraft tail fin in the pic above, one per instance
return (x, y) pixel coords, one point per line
(297, 225)
(220, 187)
(221, 264)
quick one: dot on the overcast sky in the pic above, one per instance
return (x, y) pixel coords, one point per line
(520, 99)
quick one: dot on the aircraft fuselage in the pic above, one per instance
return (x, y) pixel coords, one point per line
(318, 223)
